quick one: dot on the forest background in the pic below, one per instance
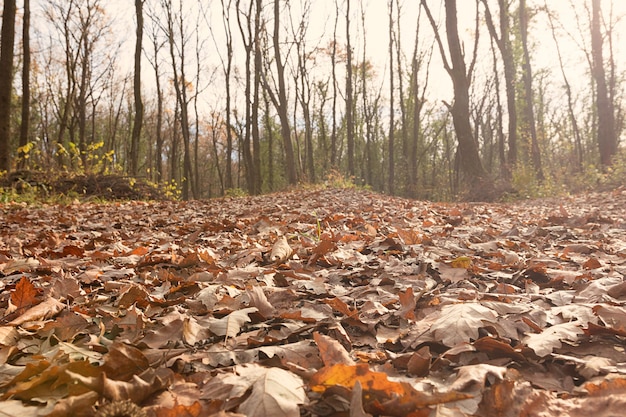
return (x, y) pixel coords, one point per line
(430, 99)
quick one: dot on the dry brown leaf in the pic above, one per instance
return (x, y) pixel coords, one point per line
(331, 351)
(43, 311)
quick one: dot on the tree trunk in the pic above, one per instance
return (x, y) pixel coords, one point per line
(258, 67)
(504, 45)
(227, 72)
(280, 101)
(134, 142)
(6, 81)
(24, 127)
(349, 96)
(469, 158)
(529, 112)
(607, 140)
(391, 143)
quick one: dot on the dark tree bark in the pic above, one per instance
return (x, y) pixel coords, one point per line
(6, 81)
(527, 77)
(24, 127)
(607, 140)
(470, 162)
(134, 142)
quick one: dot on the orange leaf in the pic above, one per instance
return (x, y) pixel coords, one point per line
(592, 263)
(407, 302)
(193, 410)
(382, 397)
(25, 294)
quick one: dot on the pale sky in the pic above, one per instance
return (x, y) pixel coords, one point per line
(321, 26)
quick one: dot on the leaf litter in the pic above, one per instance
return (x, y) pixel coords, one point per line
(315, 303)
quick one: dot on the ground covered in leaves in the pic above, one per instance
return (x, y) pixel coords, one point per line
(314, 303)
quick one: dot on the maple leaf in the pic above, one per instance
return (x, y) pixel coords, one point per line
(459, 323)
(24, 295)
(550, 338)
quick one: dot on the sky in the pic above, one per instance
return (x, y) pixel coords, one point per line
(376, 27)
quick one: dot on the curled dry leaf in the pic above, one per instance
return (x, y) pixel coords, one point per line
(281, 251)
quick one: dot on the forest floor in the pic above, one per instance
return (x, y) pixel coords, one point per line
(320, 302)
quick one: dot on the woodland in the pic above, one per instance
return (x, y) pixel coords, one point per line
(437, 100)
(251, 208)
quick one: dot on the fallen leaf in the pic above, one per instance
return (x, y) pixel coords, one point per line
(230, 325)
(281, 250)
(24, 295)
(275, 392)
(459, 323)
(45, 310)
(552, 337)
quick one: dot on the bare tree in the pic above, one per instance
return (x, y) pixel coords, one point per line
(470, 162)
(392, 124)
(176, 26)
(134, 142)
(25, 122)
(279, 99)
(607, 140)
(349, 95)
(528, 108)
(578, 145)
(506, 51)
(6, 81)
(154, 60)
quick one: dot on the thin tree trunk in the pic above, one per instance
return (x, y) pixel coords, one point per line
(333, 63)
(391, 143)
(136, 134)
(258, 67)
(349, 96)
(24, 127)
(280, 100)
(504, 45)
(578, 145)
(529, 112)
(227, 74)
(6, 81)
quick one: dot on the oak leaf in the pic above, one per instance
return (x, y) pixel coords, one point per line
(459, 323)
